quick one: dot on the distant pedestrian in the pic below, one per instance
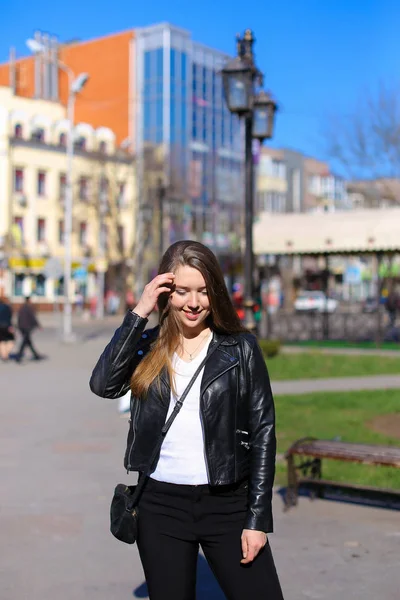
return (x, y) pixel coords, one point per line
(129, 300)
(7, 336)
(211, 483)
(112, 302)
(392, 306)
(79, 303)
(93, 306)
(27, 323)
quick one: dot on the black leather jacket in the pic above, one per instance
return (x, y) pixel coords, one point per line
(237, 411)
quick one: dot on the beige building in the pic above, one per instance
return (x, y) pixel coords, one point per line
(272, 185)
(289, 181)
(33, 135)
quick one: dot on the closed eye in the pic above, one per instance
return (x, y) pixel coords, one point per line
(183, 292)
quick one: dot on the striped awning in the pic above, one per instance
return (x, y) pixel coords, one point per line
(319, 233)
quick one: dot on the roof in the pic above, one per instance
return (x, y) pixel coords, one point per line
(336, 233)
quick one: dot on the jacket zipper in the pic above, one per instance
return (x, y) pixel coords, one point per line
(202, 420)
(205, 444)
(133, 422)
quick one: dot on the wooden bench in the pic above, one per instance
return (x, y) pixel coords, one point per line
(304, 464)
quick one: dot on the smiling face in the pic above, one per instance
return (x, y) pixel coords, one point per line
(190, 299)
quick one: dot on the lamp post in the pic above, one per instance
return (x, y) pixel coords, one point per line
(241, 78)
(75, 85)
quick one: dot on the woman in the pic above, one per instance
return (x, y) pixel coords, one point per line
(7, 336)
(212, 484)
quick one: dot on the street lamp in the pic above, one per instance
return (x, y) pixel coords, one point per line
(264, 116)
(75, 85)
(241, 78)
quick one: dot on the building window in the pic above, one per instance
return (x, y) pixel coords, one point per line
(103, 195)
(173, 54)
(62, 187)
(38, 135)
(19, 284)
(41, 230)
(104, 236)
(147, 65)
(159, 60)
(18, 180)
(61, 236)
(102, 147)
(121, 197)
(41, 183)
(183, 66)
(83, 188)
(273, 202)
(18, 131)
(278, 168)
(40, 285)
(62, 140)
(80, 143)
(83, 234)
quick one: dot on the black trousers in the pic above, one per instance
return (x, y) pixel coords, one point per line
(26, 343)
(175, 520)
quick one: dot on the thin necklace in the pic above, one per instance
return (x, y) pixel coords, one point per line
(191, 354)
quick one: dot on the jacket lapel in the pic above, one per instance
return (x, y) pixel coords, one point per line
(165, 387)
(220, 362)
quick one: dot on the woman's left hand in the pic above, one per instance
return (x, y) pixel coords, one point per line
(252, 542)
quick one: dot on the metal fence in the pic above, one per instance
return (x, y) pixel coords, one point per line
(294, 327)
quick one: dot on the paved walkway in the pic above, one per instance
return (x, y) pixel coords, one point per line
(345, 384)
(61, 451)
(341, 351)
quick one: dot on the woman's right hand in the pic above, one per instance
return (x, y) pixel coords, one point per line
(159, 285)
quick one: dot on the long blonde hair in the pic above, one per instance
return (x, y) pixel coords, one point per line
(222, 318)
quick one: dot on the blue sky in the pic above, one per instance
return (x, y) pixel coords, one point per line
(318, 56)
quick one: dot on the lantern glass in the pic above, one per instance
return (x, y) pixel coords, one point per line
(238, 93)
(238, 86)
(260, 123)
(264, 117)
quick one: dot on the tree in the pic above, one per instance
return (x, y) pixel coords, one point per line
(366, 143)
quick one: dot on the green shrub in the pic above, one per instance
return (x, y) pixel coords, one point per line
(270, 348)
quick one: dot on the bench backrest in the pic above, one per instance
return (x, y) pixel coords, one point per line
(363, 453)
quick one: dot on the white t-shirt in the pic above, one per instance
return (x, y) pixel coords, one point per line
(182, 458)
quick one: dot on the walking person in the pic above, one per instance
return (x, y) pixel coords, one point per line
(212, 483)
(27, 323)
(392, 306)
(7, 336)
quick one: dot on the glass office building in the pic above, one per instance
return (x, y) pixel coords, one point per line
(185, 133)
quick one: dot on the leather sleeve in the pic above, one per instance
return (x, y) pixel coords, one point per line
(262, 443)
(112, 373)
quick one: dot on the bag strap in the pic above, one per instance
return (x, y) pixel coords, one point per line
(178, 405)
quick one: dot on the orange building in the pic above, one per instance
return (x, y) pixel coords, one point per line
(161, 93)
(106, 100)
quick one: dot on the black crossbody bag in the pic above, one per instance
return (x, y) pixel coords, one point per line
(124, 509)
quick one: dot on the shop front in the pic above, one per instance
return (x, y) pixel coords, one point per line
(26, 276)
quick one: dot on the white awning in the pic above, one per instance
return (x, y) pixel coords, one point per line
(320, 233)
